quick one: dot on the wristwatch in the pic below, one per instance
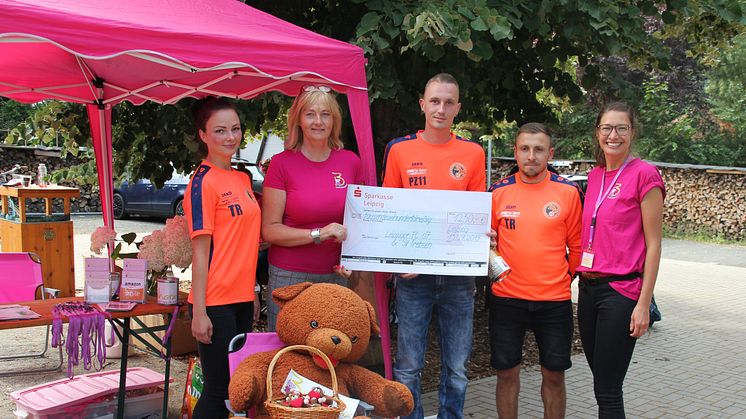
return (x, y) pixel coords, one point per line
(316, 235)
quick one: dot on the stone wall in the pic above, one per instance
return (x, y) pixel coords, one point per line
(30, 157)
(699, 199)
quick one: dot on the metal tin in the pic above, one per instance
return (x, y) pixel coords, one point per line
(168, 290)
(498, 270)
(115, 279)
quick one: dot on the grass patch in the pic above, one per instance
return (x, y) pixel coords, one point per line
(701, 235)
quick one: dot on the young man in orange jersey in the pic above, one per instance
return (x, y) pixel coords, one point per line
(536, 214)
(435, 158)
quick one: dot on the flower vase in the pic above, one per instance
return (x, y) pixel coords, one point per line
(153, 281)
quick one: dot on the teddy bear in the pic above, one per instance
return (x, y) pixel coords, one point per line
(336, 321)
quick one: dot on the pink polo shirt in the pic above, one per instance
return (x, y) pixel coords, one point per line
(315, 197)
(619, 243)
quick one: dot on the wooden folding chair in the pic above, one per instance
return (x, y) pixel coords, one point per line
(21, 280)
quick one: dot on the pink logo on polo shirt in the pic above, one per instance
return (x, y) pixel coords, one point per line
(615, 191)
(339, 181)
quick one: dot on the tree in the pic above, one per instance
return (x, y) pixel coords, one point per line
(52, 123)
(511, 58)
(12, 113)
(679, 123)
(725, 87)
(502, 52)
(726, 84)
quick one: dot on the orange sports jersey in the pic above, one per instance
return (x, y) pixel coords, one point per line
(221, 203)
(536, 224)
(412, 162)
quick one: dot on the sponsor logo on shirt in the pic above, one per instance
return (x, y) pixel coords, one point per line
(415, 172)
(457, 171)
(551, 210)
(510, 214)
(615, 191)
(339, 181)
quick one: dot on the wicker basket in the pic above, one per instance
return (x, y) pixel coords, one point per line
(274, 406)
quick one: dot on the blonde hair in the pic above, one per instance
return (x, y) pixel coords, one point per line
(304, 101)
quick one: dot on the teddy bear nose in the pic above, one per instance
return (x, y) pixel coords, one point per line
(336, 340)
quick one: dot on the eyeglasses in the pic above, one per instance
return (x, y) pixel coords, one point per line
(319, 88)
(622, 129)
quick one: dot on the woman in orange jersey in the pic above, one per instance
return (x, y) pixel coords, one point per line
(621, 250)
(224, 223)
(304, 196)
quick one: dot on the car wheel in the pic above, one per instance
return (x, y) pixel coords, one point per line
(179, 208)
(119, 212)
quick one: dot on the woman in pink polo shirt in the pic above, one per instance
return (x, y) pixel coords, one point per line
(621, 250)
(304, 196)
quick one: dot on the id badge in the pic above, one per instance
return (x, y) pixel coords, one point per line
(587, 259)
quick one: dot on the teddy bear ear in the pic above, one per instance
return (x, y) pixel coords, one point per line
(375, 331)
(285, 294)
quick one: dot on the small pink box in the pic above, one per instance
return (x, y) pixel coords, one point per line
(135, 264)
(97, 264)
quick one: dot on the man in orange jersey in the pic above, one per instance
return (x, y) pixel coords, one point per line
(536, 214)
(435, 158)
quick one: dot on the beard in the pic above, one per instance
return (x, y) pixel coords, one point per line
(531, 171)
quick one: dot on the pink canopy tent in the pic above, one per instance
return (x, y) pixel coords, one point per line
(102, 53)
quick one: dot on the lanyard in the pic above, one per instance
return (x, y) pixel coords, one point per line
(601, 197)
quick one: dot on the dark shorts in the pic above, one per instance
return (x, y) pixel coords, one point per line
(551, 322)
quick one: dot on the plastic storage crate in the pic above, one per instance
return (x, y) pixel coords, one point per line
(92, 396)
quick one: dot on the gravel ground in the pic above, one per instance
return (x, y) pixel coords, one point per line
(86, 224)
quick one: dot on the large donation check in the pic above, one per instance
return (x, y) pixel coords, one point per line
(416, 231)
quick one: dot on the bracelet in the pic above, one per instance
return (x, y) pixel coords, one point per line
(316, 235)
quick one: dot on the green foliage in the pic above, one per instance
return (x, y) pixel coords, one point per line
(707, 26)
(150, 140)
(516, 61)
(503, 53)
(54, 123)
(12, 113)
(699, 234)
(681, 135)
(80, 174)
(573, 133)
(725, 88)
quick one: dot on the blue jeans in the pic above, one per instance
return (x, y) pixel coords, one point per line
(452, 298)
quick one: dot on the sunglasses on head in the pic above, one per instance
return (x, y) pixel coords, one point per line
(319, 88)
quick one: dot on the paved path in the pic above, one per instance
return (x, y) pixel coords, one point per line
(691, 365)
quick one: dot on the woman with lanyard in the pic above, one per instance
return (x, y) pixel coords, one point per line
(621, 239)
